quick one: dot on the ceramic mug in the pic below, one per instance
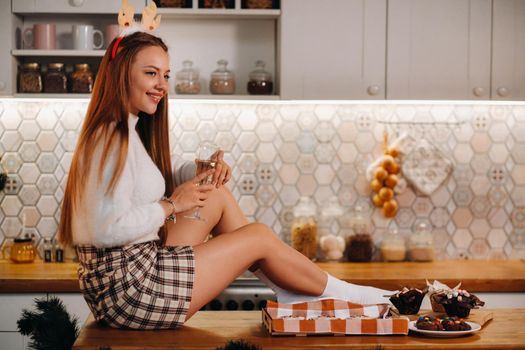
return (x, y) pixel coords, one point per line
(42, 36)
(110, 33)
(83, 37)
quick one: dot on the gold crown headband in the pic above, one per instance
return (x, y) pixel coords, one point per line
(149, 22)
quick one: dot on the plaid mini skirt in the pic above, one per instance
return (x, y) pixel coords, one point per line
(142, 286)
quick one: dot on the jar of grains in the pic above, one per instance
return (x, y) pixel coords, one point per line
(29, 78)
(222, 80)
(55, 79)
(260, 82)
(187, 79)
(421, 244)
(304, 228)
(82, 79)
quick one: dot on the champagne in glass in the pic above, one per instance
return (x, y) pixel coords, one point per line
(206, 160)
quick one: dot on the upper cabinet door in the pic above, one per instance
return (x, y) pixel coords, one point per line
(333, 49)
(508, 50)
(73, 6)
(439, 49)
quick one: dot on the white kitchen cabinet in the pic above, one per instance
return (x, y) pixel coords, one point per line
(508, 50)
(72, 6)
(439, 49)
(332, 49)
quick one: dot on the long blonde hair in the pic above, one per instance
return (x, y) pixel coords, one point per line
(109, 107)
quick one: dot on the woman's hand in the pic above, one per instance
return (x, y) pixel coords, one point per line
(223, 172)
(190, 194)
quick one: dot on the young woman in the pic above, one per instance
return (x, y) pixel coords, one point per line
(122, 195)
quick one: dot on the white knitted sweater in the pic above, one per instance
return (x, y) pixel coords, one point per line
(132, 214)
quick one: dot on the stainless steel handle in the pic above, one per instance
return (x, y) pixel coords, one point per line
(373, 90)
(478, 91)
(502, 91)
(76, 3)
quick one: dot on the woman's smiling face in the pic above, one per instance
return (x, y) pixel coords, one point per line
(148, 79)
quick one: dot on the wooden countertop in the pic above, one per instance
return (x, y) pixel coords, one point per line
(209, 329)
(475, 275)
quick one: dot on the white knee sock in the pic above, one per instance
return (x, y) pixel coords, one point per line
(335, 288)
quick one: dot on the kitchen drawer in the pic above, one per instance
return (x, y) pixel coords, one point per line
(72, 6)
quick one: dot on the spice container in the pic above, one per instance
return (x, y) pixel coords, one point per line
(55, 80)
(260, 82)
(82, 79)
(187, 79)
(216, 4)
(172, 3)
(3, 176)
(421, 244)
(22, 250)
(393, 247)
(304, 228)
(331, 244)
(29, 78)
(259, 4)
(360, 246)
(222, 80)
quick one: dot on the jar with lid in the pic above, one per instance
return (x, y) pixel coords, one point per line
(421, 244)
(3, 175)
(187, 79)
(222, 80)
(393, 246)
(360, 246)
(29, 78)
(22, 250)
(260, 82)
(304, 228)
(82, 79)
(55, 79)
(331, 244)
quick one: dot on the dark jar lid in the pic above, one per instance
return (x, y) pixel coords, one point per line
(57, 66)
(23, 240)
(31, 66)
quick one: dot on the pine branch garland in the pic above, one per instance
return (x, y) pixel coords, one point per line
(50, 327)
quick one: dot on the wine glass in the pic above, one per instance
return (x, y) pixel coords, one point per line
(206, 160)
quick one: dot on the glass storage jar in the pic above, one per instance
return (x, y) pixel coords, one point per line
(421, 244)
(29, 78)
(3, 175)
(304, 228)
(260, 82)
(55, 79)
(393, 247)
(187, 79)
(259, 4)
(331, 244)
(82, 79)
(222, 80)
(216, 4)
(22, 250)
(360, 245)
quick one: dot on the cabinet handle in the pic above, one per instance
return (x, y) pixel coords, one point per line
(502, 91)
(76, 3)
(373, 90)
(2, 86)
(478, 91)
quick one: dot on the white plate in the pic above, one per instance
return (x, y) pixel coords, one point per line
(444, 334)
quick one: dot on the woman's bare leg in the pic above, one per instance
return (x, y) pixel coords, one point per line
(219, 261)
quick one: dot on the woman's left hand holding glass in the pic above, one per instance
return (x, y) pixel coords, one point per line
(223, 172)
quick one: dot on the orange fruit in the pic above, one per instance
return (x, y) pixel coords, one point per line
(378, 202)
(395, 168)
(376, 185)
(391, 180)
(390, 208)
(386, 193)
(387, 161)
(380, 173)
(393, 151)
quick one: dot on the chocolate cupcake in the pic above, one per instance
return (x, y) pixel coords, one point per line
(408, 301)
(458, 303)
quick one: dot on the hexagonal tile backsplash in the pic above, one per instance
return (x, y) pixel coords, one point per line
(280, 151)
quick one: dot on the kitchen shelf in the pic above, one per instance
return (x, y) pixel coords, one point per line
(58, 53)
(192, 13)
(177, 97)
